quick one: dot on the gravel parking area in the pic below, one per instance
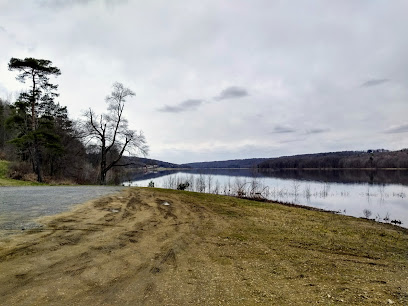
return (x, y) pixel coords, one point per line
(19, 206)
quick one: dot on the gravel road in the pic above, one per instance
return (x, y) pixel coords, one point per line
(19, 206)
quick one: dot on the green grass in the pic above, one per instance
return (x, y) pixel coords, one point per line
(5, 181)
(323, 257)
(3, 168)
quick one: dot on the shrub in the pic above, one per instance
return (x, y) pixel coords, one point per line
(183, 186)
(367, 213)
(20, 171)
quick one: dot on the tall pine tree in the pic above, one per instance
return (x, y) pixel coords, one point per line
(35, 133)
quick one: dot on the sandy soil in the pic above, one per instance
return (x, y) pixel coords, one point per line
(152, 247)
(119, 249)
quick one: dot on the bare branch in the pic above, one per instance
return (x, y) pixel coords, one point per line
(112, 132)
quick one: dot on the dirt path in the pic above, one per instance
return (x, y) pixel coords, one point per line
(153, 247)
(115, 250)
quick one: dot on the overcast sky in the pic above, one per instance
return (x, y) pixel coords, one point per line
(222, 79)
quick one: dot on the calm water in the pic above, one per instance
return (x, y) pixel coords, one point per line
(380, 195)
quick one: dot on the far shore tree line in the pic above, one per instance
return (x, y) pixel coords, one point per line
(370, 159)
(43, 143)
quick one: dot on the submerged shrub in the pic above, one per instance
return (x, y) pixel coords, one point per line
(367, 213)
(183, 186)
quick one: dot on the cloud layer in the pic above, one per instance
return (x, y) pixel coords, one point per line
(226, 79)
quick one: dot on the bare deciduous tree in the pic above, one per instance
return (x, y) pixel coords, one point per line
(111, 132)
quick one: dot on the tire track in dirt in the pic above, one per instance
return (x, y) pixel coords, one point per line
(110, 250)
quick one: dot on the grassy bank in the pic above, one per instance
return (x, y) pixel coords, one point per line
(166, 247)
(6, 181)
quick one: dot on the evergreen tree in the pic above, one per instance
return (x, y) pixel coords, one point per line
(2, 124)
(33, 110)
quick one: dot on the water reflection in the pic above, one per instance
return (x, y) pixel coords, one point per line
(352, 192)
(372, 177)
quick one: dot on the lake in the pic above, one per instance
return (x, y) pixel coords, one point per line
(375, 194)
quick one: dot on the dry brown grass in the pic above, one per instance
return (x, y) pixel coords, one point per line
(5, 180)
(202, 249)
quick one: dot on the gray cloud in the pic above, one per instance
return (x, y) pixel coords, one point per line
(292, 140)
(374, 82)
(2, 29)
(316, 131)
(232, 92)
(184, 106)
(402, 128)
(282, 129)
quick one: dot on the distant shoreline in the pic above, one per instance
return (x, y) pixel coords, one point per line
(325, 169)
(280, 169)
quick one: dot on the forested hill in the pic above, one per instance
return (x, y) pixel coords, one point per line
(346, 159)
(142, 162)
(236, 163)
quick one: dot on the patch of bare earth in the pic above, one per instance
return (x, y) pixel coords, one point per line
(159, 247)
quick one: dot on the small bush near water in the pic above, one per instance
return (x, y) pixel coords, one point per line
(183, 186)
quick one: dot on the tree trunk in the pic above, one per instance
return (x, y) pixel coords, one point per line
(102, 180)
(37, 161)
(36, 151)
(33, 100)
